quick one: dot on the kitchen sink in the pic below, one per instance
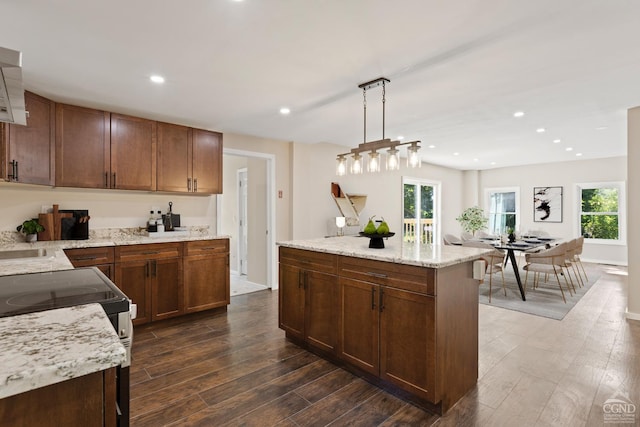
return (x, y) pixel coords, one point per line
(24, 253)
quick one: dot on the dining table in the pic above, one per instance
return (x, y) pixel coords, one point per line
(525, 244)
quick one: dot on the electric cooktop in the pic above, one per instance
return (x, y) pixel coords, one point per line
(27, 293)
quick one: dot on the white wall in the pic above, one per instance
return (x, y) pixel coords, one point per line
(633, 212)
(257, 220)
(107, 208)
(566, 175)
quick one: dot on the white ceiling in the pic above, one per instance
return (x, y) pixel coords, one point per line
(458, 69)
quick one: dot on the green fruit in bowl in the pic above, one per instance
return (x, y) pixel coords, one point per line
(383, 228)
(370, 228)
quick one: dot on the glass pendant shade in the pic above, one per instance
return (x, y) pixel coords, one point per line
(413, 158)
(356, 164)
(393, 159)
(341, 166)
(374, 162)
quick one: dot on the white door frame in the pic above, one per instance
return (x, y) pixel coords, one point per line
(437, 186)
(272, 268)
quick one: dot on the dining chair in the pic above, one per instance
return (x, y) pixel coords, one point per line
(548, 261)
(571, 264)
(494, 261)
(576, 256)
(466, 236)
(450, 239)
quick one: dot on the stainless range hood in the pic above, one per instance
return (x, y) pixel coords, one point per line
(12, 108)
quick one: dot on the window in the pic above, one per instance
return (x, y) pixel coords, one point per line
(602, 212)
(420, 211)
(503, 209)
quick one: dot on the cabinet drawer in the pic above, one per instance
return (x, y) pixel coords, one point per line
(408, 277)
(308, 260)
(145, 252)
(86, 257)
(205, 247)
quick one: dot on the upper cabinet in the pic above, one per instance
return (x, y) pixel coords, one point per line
(29, 150)
(83, 153)
(189, 160)
(133, 153)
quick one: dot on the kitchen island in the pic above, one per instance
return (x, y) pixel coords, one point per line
(404, 317)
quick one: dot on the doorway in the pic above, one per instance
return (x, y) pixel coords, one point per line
(242, 222)
(420, 211)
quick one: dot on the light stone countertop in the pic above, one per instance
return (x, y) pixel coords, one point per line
(432, 256)
(57, 260)
(48, 347)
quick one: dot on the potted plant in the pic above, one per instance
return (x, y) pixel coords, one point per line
(31, 228)
(472, 219)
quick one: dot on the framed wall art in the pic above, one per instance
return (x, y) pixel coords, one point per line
(547, 204)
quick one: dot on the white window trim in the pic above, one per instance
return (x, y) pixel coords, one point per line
(622, 211)
(487, 200)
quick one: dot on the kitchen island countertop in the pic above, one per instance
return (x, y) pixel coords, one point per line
(432, 256)
(48, 347)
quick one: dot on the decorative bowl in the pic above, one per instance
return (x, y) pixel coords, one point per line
(376, 240)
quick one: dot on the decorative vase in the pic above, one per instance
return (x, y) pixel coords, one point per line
(512, 237)
(31, 238)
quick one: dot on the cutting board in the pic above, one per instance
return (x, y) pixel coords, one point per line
(46, 220)
(57, 222)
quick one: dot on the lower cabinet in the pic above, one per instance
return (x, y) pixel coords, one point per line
(308, 292)
(206, 275)
(152, 276)
(100, 257)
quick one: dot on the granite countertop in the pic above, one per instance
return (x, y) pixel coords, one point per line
(57, 260)
(432, 256)
(48, 347)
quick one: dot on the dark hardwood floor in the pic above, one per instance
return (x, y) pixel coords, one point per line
(236, 368)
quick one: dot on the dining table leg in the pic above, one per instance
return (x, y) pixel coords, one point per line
(512, 257)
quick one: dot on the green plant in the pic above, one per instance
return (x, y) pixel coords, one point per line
(30, 226)
(472, 219)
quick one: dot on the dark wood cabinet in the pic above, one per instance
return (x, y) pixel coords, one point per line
(133, 153)
(83, 154)
(206, 275)
(100, 257)
(404, 326)
(308, 292)
(89, 400)
(189, 160)
(151, 275)
(28, 152)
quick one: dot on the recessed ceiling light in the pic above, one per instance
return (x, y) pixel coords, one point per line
(518, 114)
(156, 79)
(601, 128)
(493, 163)
(284, 111)
(569, 149)
(432, 146)
(400, 137)
(578, 154)
(557, 141)
(456, 154)
(541, 130)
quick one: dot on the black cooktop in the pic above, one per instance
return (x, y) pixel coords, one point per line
(27, 293)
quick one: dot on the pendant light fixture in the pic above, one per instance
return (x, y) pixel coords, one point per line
(375, 148)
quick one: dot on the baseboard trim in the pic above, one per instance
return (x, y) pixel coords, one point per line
(632, 316)
(606, 262)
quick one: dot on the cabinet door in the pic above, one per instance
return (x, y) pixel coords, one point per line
(133, 278)
(207, 162)
(167, 291)
(206, 282)
(407, 341)
(133, 153)
(174, 158)
(359, 324)
(31, 147)
(82, 147)
(321, 310)
(291, 295)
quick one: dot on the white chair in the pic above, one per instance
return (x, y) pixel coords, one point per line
(548, 261)
(576, 256)
(570, 262)
(466, 236)
(494, 262)
(450, 239)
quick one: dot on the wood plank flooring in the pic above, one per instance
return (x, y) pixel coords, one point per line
(236, 368)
